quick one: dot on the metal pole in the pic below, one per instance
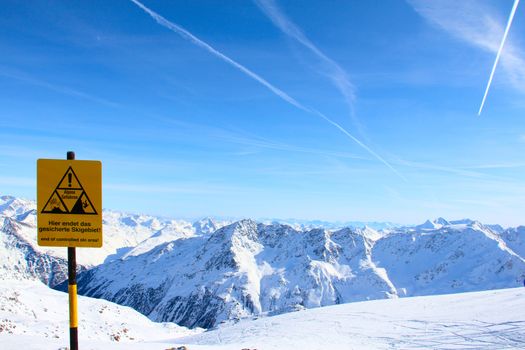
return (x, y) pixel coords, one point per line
(72, 288)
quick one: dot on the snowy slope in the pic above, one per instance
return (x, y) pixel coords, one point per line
(482, 320)
(28, 309)
(515, 239)
(21, 260)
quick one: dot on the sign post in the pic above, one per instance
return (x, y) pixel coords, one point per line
(72, 286)
(69, 214)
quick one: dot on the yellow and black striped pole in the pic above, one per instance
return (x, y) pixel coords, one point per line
(72, 288)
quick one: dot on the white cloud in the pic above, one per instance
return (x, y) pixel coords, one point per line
(479, 25)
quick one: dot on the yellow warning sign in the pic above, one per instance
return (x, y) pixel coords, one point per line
(69, 203)
(69, 197)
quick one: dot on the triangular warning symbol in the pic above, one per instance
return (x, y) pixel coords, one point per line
(55, 205)
(83, 206)
(69, 197)
(69, 181)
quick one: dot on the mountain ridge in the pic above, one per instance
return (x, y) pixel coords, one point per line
(207, 272)
(249, 269)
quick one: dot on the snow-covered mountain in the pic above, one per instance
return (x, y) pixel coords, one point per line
(241, 270)
(249, 269)
(124, 234)
(21, 260)
(456, 257)
(16, 208)
(304, 225)
(122, 231)
(515, 239)
(20, 256)
(433, 224)
(205, 273)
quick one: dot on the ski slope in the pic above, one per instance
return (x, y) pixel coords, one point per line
(480, 320)
(35, 317)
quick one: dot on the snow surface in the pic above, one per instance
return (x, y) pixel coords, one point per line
(481, 320)
(35, 317)
(29, 310)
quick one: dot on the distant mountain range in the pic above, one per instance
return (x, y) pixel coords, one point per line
(299, 224)
(208, 272)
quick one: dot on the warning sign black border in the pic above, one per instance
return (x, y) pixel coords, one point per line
(64, 204)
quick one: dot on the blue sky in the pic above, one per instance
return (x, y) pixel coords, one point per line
(340, 110)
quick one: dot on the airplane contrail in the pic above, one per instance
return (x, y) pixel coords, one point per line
(280, 93)
(20, 76)
(365, 147)
(509, 23)
(335, 73)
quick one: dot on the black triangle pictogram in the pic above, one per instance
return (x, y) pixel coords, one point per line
(69, 197)
(55, 205)
(69, 181)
